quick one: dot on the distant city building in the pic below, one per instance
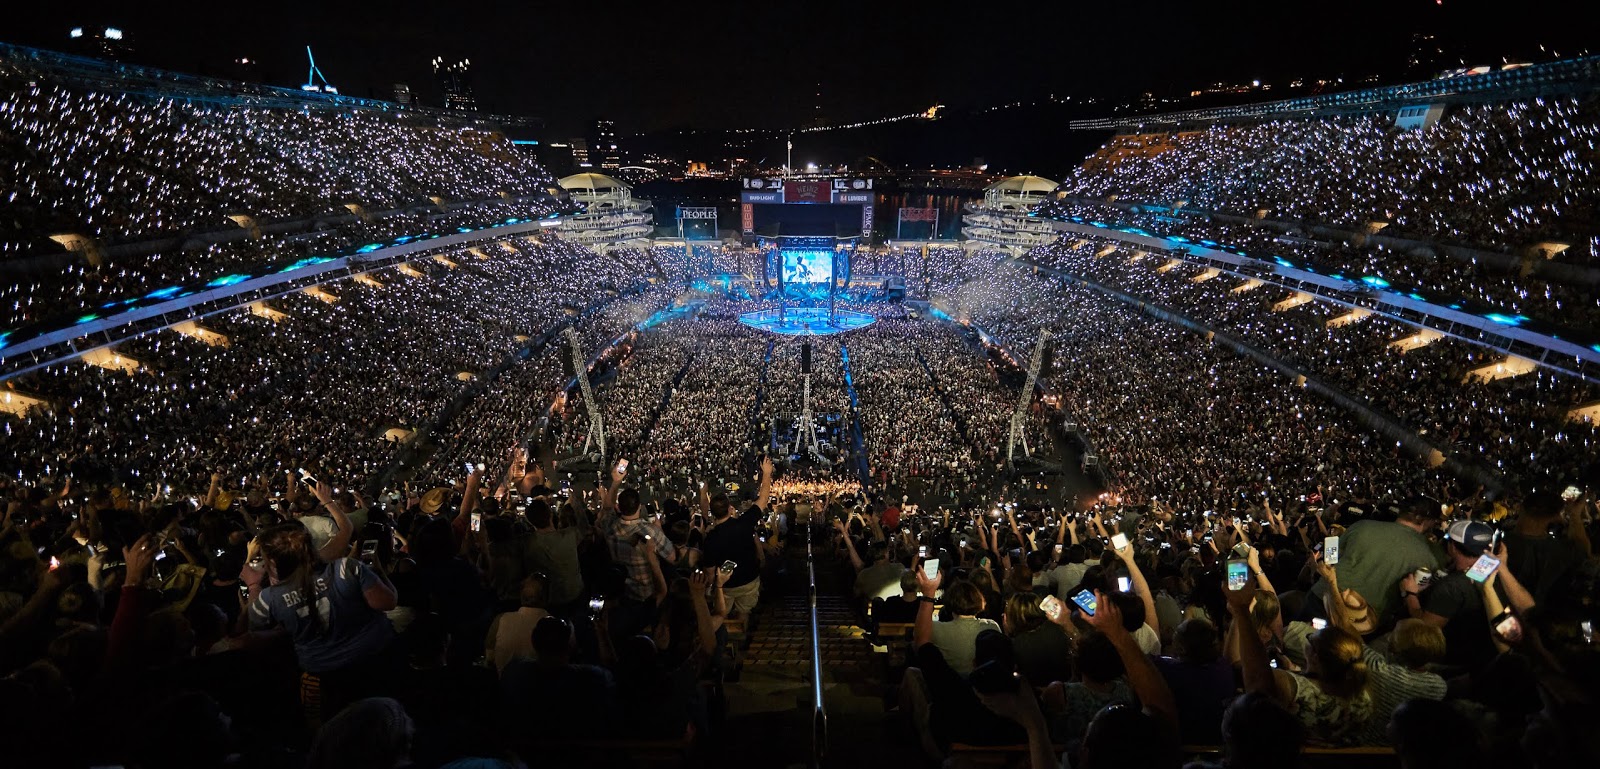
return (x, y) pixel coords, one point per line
(402, 94)
(455, 80)
(603, 145)
(102, 42)
(245, 70)
(580, 154)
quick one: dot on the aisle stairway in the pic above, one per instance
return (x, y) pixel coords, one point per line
(769, 707)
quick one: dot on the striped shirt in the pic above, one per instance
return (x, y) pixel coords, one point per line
(1390, 684)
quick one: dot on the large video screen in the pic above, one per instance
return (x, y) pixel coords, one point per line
(807, 266)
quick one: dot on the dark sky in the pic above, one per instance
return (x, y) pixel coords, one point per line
(657, 65)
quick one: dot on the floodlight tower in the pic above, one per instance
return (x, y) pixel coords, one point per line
(313, 74)
(1017, 433)
(597, 425)
(806, 430)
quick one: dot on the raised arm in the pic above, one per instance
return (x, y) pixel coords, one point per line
(1492, 608)
(1337, 613)
(1576, 531)
(339, 544)
(1142, 587)
(850, 547)
(1516, 592)
(704, 626)
(1258, 673)
(1147, 682)
(1254, 560)
(922, 632)
(764, 496)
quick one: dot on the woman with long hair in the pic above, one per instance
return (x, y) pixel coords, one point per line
(333, 612)
(1331, 700)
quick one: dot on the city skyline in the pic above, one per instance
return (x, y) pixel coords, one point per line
(768, 66)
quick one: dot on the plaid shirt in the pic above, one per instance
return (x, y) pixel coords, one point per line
(620, 536)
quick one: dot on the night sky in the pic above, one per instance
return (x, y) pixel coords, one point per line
(666, 65)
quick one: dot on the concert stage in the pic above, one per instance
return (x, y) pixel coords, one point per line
(806, 321)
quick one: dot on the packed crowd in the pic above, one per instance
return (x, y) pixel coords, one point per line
(323, 381)
(1517, 426)
(172, 174)
(1174, 418)
(1495, 174)
(1133, 635)
(1519, 287)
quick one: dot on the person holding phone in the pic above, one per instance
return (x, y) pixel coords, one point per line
(957, 638)
(1332, 701)
(733, 537)
(332, 611)
(1393, 678)
(628, 535)
(1454, 602)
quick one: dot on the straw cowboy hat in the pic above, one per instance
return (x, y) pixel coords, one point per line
(1360, 614)
(433, 500)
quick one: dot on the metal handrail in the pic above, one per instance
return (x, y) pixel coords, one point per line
(819, 712)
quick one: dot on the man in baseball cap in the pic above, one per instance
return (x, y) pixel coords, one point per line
(1472, 538)
(1454, 602)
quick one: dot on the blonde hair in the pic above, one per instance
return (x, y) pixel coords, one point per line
(1416, 643)
(1264, 609)
(1341, 669)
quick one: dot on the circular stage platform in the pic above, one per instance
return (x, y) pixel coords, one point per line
(806, 321)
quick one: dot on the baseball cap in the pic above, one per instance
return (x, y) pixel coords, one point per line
(1473, 537)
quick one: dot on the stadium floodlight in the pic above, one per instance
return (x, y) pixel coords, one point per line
(112, 33)
(76, 32)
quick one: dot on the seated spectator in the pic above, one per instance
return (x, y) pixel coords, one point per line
(511, 633)
(555, 698)
(1201, 680)
(901, 609)
(1334, 706)
(1403, 674)
(1043, 650)
(1071, 705)
(955, 638)
(369, 734)
(1257, 733)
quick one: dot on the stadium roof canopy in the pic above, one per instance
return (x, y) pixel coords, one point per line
(591, 184)
(1020, 184)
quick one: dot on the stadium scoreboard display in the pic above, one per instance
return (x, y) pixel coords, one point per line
(837, 203)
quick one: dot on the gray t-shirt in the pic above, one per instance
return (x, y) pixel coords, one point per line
(1066, 577)
(957, 640)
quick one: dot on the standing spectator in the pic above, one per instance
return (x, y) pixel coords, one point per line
(1542, 559)
(629, 534)
(1453, 602)
(733, 538)
(553, 552)
(1375, 555)
(332, 611)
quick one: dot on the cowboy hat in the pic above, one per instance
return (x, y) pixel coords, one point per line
(433, 500)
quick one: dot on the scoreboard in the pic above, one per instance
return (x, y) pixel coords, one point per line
(778, 191)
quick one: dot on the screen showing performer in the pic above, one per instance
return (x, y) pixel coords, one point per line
(807, 266)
